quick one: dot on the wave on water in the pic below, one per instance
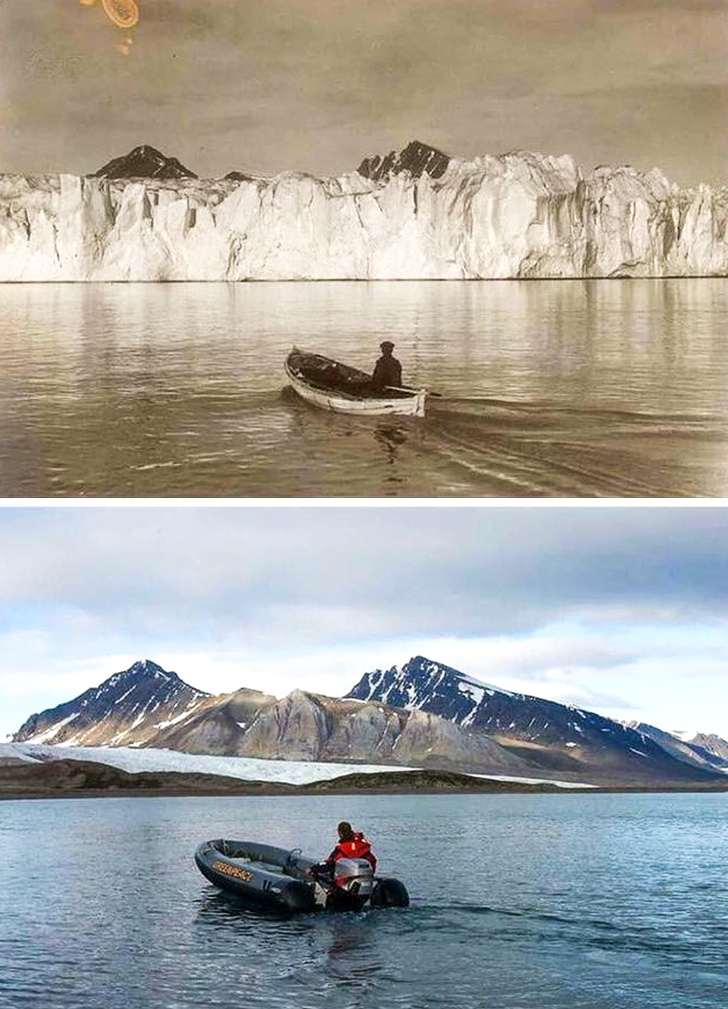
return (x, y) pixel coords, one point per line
(703, 947)
(548, 449)
(509, 448)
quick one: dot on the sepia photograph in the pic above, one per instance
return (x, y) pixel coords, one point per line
(315, 248)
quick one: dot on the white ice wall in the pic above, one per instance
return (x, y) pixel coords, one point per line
(517, 215)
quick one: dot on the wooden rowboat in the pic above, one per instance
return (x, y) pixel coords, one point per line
(334, 386)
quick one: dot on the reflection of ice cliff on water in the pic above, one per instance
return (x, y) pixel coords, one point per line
(426, 216)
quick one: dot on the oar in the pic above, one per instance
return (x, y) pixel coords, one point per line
(409, 388)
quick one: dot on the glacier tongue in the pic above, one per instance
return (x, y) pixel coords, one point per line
(513, 216)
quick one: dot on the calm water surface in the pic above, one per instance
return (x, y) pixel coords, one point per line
(518, 902)
(594, 388)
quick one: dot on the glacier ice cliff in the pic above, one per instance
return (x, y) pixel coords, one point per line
(517, 215)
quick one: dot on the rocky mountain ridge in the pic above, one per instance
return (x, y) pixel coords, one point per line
(710, 752)
(416, 158)
(711, 747)
(422, 714)
(129, 708)
(546, 733)
(145, 706)
(144, 162)
(413, 214)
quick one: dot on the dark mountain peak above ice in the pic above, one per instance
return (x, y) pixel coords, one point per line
(144, 162)
(420, 666)
(416, 158)
(236, 176)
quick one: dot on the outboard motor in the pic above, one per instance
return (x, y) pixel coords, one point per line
(354, 878)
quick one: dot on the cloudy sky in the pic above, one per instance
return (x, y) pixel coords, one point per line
(621, 610)
(313, 85)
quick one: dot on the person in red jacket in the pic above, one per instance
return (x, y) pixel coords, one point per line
(352, 844)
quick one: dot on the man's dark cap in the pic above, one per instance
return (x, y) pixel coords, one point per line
(387, 343)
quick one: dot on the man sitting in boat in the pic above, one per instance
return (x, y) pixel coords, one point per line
(387, 370)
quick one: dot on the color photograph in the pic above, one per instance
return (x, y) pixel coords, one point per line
(364, 757)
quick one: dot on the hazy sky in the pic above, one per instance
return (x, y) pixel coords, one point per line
(314, 85)
(621, 610)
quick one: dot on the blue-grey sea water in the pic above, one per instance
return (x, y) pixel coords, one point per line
(615, 388)
(518, 902)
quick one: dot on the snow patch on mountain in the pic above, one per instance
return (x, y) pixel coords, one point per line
(53, 730)
(178, 718)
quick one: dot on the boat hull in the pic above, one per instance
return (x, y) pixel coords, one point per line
(253, 873)
(363, 403)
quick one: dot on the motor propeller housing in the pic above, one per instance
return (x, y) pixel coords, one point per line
(355, 876)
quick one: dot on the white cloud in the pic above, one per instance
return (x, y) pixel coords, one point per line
(571, 604)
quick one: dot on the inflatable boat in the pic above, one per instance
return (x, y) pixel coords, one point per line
(288, 881)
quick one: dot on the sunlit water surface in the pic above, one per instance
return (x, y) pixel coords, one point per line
(518, 902)
(564, 388)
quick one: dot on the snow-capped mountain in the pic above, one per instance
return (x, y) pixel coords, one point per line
(129, 708)
(413, 214)
(148, 707)
(545, 732)
(422, 714)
